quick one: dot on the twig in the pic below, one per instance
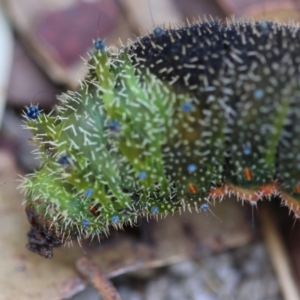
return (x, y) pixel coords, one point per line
(92, 272)
(278, 254)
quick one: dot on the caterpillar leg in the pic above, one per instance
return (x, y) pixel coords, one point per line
(265, 190)
(291, 203)
(243, 193)
(251, 195)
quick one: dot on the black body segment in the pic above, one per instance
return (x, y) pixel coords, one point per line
(251, 70)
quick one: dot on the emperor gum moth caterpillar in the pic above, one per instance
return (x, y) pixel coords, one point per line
(174, 120)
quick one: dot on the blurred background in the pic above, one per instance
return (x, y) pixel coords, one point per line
(244, 253)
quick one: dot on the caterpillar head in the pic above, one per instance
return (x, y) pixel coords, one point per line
(42, 239)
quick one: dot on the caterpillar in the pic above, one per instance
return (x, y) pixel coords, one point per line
(178, 118)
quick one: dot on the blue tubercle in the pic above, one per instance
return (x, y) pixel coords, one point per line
(258, 94)
(63, 160)
(99, 44)
(247, 149)
(263, 26)
(86, 223)
(142, 175)
(154, 209)
(89, 192)
(187, 107)
(204, 207)
(114, 125)
(115, 219)
(32, 112)
(158, 32)
(192, 168)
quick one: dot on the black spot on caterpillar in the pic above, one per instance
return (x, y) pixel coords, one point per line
(173, 120)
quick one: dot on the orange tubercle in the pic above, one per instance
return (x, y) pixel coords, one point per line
(218, 192)
(248, 174)
(192, 188)
(269, 189)
(94, 209)
(297, 188)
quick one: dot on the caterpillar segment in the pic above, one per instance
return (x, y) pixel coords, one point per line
(177, 119)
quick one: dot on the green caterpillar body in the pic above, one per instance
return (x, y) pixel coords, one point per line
(173, 120)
